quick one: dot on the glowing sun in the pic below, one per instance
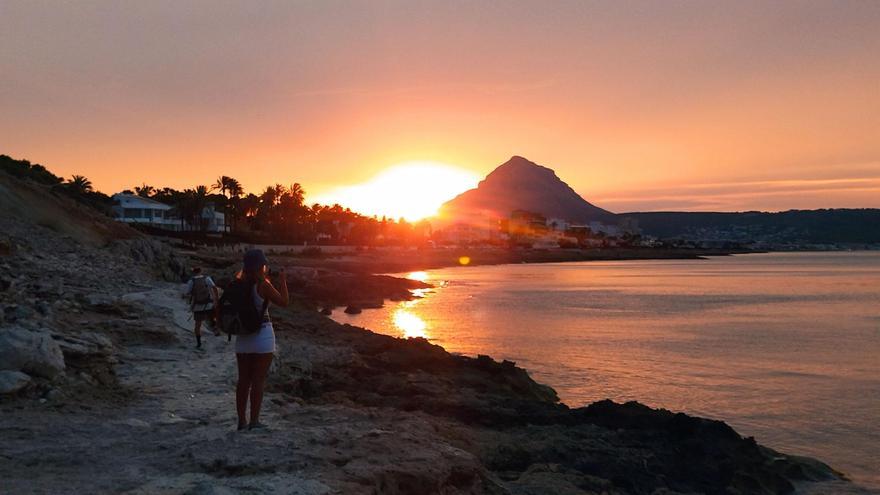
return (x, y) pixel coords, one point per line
(412, 190)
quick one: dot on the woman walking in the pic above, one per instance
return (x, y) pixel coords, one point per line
(254, 352)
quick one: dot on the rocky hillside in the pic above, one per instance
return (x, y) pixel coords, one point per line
(519, 184)
(59, 260)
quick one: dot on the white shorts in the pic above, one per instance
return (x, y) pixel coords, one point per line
(262, 342)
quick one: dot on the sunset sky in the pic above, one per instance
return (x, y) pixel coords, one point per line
(660, 105)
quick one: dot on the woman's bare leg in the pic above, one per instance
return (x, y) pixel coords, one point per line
(198, 331)
(260, 371)
(245, 380)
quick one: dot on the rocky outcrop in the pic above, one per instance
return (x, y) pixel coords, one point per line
(526, 439)
(13, 381)
(163, 261)
(34, 353)
(356, 290)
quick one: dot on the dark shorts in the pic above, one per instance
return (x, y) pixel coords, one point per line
(203, 315)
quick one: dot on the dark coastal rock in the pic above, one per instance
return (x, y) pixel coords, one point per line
(342, 289)
(43, 308)
(158, 257)
(6, 248)
(370, 304)
(640, 450)
(353, 310)
(13, 381)
(34, 353)
(326, 311)
(16, 312)
(528, 440)
(84, 346)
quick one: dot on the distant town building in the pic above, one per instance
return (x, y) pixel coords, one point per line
(486, 230)
(608, 230)
(558, 224)
(526, 223)
(629, 225)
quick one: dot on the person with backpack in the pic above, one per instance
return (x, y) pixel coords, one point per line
(243, 311)
(203, 296)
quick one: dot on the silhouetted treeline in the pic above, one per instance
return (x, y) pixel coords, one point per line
(278, 214)
(77, 187)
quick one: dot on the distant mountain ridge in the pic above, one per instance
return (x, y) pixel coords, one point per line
(520, 184)
(855, 226)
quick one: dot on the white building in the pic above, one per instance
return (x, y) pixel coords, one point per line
(213, 220)
(131, 208)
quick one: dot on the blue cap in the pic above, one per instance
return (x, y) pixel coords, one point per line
(254, 259)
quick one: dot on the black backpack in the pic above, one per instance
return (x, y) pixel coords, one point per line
(238, 314)
(201, 293)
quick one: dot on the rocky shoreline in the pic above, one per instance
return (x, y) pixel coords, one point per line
(102, 392)
(398, 260)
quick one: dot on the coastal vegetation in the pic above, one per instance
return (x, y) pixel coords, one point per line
(77, 187)
(278, 212)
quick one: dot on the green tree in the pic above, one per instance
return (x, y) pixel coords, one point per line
(79, 185)
(232, 191)
(199, 202)
(145, 191)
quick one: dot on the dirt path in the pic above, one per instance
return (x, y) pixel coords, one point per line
(175, 434)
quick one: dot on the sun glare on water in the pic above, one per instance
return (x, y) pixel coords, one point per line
(418, 276)
(412, 190)
(409, 323)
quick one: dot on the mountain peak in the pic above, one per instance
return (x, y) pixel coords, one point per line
(517, 161)
(520, 184)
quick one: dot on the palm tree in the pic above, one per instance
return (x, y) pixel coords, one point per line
(227, 186)
(79, 184)
(230, 187)
(144, 190)
(297, 193)
(166, 195)
(234, 188)
(182, 202)
(220, 185)
(199, 201)
(249, 207)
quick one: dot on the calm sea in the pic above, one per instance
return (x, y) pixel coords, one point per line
(784, 347)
